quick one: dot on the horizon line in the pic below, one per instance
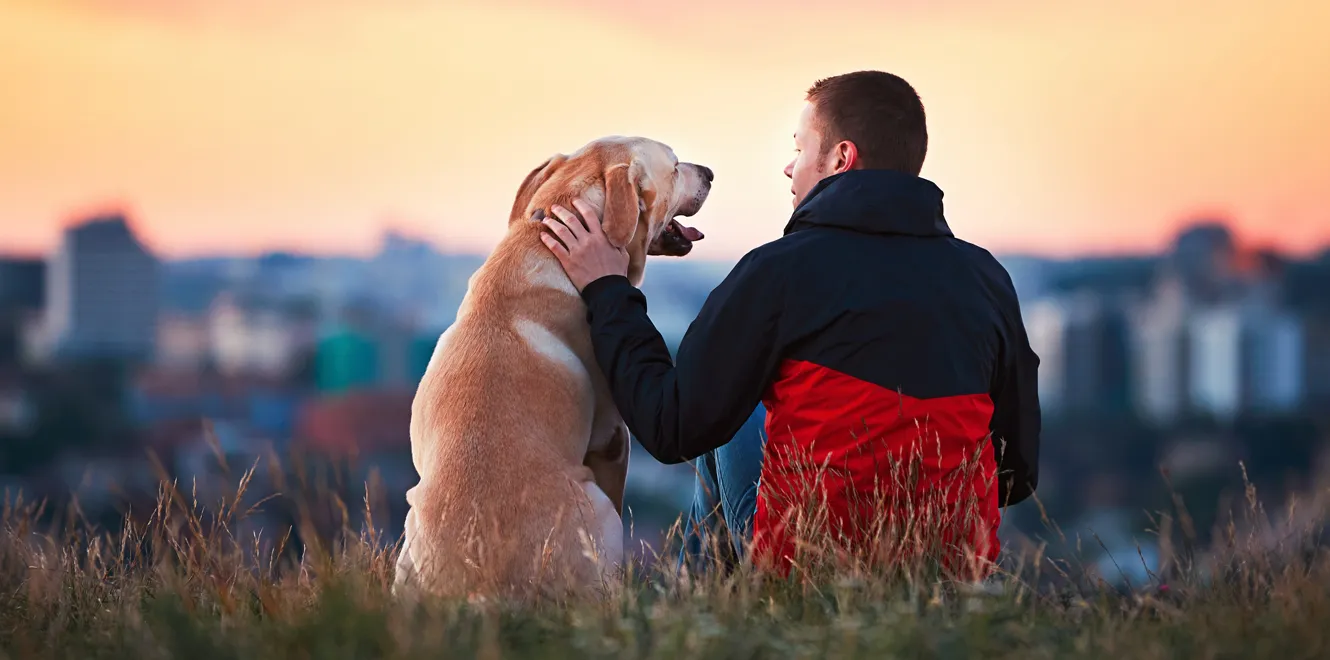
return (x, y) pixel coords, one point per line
(1314, 254)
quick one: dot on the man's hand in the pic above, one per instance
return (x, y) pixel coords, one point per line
(585, 252)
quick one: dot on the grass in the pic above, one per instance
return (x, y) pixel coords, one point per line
(179, 582)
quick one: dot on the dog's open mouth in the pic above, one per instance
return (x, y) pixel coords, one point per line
(676, 240)
(684, 231)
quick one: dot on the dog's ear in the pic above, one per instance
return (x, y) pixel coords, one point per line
(532, 183)
(619, 219)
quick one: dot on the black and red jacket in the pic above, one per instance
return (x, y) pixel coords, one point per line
(868, 331)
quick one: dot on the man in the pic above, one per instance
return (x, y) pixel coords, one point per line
(868, 332)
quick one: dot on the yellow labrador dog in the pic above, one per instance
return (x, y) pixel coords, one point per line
(521, 452)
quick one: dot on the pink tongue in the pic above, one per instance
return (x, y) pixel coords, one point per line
(690, 233)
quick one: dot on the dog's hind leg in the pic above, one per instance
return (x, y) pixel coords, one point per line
(405, 573)
(607, 532)
(609, 465)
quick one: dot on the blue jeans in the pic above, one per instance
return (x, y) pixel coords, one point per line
(725, 497)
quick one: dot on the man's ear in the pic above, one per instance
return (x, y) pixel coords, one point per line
(619, 219)
(847, 157)
(532, 183)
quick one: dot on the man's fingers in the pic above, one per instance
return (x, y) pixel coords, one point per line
(570, 220)
(561, 230)
(589, 214)
(555, 246)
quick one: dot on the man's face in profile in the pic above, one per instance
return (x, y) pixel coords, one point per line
(808, 166)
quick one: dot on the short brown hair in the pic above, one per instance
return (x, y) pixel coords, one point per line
(877, 111)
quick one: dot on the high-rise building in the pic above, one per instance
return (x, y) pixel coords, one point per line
(1246, 358)
(101, 293)
(1046, 326)
(1160, 350)
(1275, 353)
(1316, 371)
(1081, 341)
(1215, 379)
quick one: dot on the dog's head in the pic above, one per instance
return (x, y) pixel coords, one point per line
(637, 185)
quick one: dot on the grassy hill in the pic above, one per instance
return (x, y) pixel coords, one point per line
(179, 582)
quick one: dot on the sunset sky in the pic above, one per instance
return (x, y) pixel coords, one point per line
(1057, 127)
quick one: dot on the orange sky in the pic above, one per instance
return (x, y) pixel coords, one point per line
(1057, 127)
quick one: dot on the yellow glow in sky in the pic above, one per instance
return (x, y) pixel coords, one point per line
(1056, 127)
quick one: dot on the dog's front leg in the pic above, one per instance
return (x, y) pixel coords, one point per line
(609, 464)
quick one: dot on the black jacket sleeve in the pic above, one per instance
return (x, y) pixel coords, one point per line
(726, 359)
(1016, 414)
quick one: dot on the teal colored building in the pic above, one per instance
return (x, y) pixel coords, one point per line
(421, 350)
(346, 360)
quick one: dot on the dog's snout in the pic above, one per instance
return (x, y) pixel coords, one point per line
(706, 173)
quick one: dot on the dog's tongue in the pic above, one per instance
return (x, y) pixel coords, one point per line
(688, 232)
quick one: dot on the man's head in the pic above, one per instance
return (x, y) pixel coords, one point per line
(860, 120)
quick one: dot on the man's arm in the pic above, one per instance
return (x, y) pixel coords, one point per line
(1016, 414)
(725, 361)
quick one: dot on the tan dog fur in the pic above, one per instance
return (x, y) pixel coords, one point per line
(521, 452)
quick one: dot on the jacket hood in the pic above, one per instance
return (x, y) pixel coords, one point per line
(873, 202)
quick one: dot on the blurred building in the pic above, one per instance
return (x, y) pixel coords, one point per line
(1160, 354)
(183, 341)
(1215, 379)
(252, 335)
(102, 294)
(22, 292)
(1276, 362)
(1316, 374)
(1307, 291)
(1246, 359)
(246, 410)
(346, 359)
(1081, 340)
(1204, 259)
(373, 344)
(1217, 337)
(409, 276)
(351, 358)
(285, 275)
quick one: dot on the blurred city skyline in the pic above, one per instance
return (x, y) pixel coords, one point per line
(1206, 353)
(1058, 129)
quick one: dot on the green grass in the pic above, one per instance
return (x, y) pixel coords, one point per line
(175, 586)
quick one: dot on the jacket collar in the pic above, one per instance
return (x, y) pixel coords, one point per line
(873, 202)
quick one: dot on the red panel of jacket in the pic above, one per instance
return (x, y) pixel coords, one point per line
(849, 446)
